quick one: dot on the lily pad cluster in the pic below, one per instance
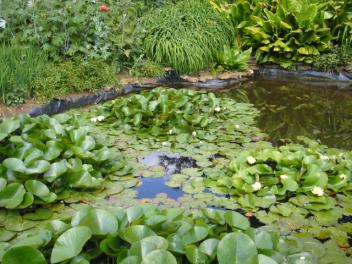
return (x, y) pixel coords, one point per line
(290, 170)
(41, 157)
(147, 234)
(179, 115)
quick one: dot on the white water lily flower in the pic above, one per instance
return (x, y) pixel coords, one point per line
(283, 177)
(343, 176)
(324, 157)
(237, 126)
(256, 186)
(171, 132)
(217, 109)
(317, 191)
(251, 160)
(101, 118)
(194, 133)
(302, 258)
(164, 143)
(94, 119)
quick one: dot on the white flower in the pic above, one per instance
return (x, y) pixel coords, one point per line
(283, 177)
(256, 186)
(94, 119)
(194, 133)
(317, 191)
(237, 126)
(101, 118)
(2, 23)
(324, 157)
(164, 143)
(171, 132)
(251, 160)
(302, 258)
(217, 109)
(343, 176)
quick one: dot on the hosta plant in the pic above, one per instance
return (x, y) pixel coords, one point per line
(147, 234)
(41, 157)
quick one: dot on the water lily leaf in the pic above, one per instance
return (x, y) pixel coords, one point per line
(6, 235)
(70, 243)
(131, 260)
(143, 247)
(209, 247)
(195, 234)
(35, 239)
(37, 188)
(39, 214)
(136, 233)
(237, 248)
(12, 195)
(262, 259)
(159, 256)
(14, 164)
(56, 170)
(263, 239)
(236, 220)
(23, 254)
(195, 256)
(100, 222)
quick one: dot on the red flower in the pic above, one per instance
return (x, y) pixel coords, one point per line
(104, 8)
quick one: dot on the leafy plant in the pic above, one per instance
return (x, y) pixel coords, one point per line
(19, 67)
(327, 62)
(71, 29)
(234, 59)
(60, 79)
(147, 234)
(178, 115)
(186, 35)
(42, 157)
(146, 68)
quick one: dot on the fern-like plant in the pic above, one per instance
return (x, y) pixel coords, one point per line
(186, 36)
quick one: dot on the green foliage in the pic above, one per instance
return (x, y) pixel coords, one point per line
(147, 234)
(67, 77)
(177, 114)
(186, 36)
(71, 29)
(19, 67)
(333, 61)
(234, 59)
(41, 157)
(287, 171)
(146, 68)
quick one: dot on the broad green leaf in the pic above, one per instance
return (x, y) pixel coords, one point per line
(195, 256)
(159, 256)
(262, 259)
(237, 248)
(236, 220)
(7, 127)
(14, 164)
(70, 243)
(23, 254)
(100, 222)
(143, 247)
(209, 247)
(12, 196)
(195, 234)
(136, 233)
(56, 170)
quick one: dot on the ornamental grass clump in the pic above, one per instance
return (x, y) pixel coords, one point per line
(186, 36)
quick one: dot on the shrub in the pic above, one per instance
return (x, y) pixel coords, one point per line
(186, 36)
(19, 67)
(73, 77)
(233, 58)
(146, 68)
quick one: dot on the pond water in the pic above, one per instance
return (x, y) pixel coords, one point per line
(292, 108)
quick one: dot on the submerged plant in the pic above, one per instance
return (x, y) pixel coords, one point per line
(186, 36)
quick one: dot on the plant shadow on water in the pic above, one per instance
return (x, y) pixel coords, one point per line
(291, 108)
(173, 163)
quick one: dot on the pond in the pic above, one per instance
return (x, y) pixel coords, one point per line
(291, 108)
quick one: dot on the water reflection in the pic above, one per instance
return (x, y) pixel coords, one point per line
(291, 109)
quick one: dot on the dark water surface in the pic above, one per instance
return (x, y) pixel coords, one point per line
(292, 108)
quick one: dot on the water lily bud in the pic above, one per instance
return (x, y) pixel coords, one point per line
(237, 126)
(283, 177)
(217, 109)
(251, 160)
(194, 133)
(171, 132)
(164, 143)
(256, 186)
(317, 191)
